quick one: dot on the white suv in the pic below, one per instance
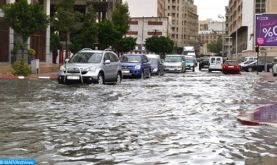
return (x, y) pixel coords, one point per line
(87, 66)
(274, 70)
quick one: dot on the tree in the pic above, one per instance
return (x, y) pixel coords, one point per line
(105, 34)
(55, 44)
(216, 46)
(120, 19)
(66, 20)
(159, 45)
(126, 44)
(87, 36)
(25, 19)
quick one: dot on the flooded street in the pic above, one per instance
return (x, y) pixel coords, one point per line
(176, 119)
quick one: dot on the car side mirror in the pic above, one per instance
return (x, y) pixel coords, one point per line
(107, 62)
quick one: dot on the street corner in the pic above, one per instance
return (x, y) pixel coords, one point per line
(266, 77)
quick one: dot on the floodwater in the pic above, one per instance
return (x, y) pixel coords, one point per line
(176, 119)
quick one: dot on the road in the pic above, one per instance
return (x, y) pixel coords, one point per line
(175, 119)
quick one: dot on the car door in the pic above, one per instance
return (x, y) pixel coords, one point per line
(146, 65)
(107, 67)
(114, 64)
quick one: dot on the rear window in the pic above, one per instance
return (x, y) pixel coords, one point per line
(231, 62)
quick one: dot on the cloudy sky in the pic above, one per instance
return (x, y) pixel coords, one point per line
(206, 8)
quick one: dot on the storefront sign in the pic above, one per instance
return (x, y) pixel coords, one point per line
(266, 30)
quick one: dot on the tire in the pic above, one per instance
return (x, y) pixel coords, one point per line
(193, 69)
(274, 74)
(118, 78)
(149, 74)
(200, 68)
(249, 69)
(142, 76)
(101, 79)
(210, 70)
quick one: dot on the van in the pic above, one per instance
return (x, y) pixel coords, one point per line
(215, 63)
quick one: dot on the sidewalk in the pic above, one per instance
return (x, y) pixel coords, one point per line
(46, 71)
(266, 77)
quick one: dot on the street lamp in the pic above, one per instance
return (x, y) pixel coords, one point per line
(223, 31)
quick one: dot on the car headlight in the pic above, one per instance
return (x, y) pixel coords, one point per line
(93, 69)
(155, 70)
(62, 68)
(137, 67)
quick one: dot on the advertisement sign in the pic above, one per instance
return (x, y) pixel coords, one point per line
(266, 30)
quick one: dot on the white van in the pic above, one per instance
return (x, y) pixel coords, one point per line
(215, 63)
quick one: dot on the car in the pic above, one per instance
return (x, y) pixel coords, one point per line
(246, 59)
(231, 66)
(190, 64)
(253, 66)
(215, 63)
(175, 63)
(88, 66)
(136, 65)
(157, 66)
(203, 63)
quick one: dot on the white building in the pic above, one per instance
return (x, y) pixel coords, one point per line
(146, 27)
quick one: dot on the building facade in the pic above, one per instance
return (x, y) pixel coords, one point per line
(240, 18)
(41, 41)
(183, 14)
(142, 28)
(209, 31)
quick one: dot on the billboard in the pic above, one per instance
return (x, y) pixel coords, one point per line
(266, 30)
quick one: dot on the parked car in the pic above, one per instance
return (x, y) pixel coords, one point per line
(231, 66)
(204, 63)
(215, 63)
(175, 63)
(157, 66)
(274, 70)
(253, 66)
(87, 66)
(136, 65)
(246, 59)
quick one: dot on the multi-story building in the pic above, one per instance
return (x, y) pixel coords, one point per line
(240, 23)
(209, 31)
(146, 27)
(41, 41)
(183, 14)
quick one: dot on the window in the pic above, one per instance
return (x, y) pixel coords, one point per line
(260, 6)
(113, 57)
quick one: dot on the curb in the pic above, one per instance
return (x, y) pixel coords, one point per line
(12, 77)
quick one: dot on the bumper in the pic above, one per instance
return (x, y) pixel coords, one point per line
(127, 72)
(77, 77)
(173, 69)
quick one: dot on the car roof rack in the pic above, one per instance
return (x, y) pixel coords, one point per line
(86, 49)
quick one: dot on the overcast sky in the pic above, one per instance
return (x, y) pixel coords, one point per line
(206, 8)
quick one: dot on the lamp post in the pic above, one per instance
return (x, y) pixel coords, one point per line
(223, 31)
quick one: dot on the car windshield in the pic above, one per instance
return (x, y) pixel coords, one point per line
(131, 59)
(231, 62)
(86, 57)
(189, 61)
(153, 60)
(173, 59)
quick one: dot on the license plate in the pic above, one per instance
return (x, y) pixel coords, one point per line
(73, 77)
(126, 71)
(231, 66)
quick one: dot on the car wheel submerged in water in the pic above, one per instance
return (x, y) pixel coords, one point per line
(118, 78)
(101, 79)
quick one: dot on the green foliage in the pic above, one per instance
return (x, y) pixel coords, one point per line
(126, 44)
(216, 46)
(54, 41)
(21, 68)
(120, 19)
(159, 44)
(32, 53)
(25, 18)
(87, 36)
(17, 46)
(105, 34)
